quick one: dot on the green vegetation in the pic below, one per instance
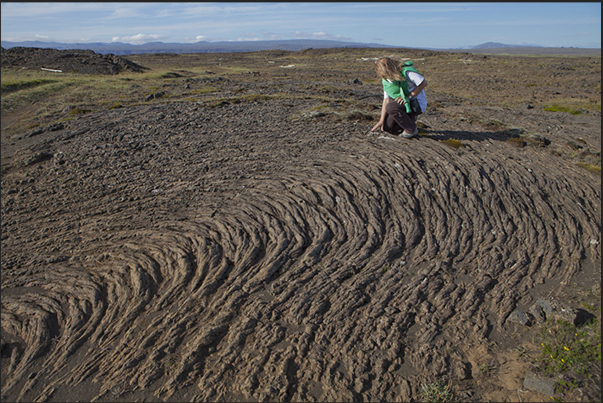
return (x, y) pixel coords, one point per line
(61, 96)
(56, 96)
(18, 92)
(571, 354)
(453, 143)
(485, 369)
(436, 391)
(171, 74)
(79, 111)
(9, 85)
(574, 106)
(559, 108)
(590, 167)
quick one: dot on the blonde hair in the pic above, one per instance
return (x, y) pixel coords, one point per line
(388, 68)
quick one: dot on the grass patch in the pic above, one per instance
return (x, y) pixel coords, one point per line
(21, 88)
(436, 391)
(32, 94)
(574, 106)
(67, 95)
(205, 90)
(453, 143)
(10, 85)
(517, 142)
(171, 74)
(559, 108)
(590, 167)
(485, 369)
(572, 354)
(79, 111)
(524, 140)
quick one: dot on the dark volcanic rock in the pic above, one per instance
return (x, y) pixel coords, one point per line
(67, 61)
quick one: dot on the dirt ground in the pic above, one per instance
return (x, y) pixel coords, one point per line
(245, 237)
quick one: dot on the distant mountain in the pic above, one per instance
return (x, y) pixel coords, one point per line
(121, 49)
(118, 48)
(496, 45)
(494, 48)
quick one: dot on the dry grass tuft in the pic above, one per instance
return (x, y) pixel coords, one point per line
(453, 143)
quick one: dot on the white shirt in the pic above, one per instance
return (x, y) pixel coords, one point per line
(414, 80)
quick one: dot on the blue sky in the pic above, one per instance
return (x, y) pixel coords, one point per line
(420, 25)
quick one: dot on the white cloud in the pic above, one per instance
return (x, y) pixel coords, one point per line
(320, 35)
(34, 9)
(25, 38)
(443, 25)
(248, 37)
(137, 39)
(271, 36)
(197, 38)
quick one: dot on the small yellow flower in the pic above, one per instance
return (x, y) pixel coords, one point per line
(565, 348)
(562, 360)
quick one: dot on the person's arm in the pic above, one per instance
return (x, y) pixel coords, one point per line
(418, 90)
(414, 92)
(379, 124)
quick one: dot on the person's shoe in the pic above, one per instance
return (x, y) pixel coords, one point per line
(408, 135)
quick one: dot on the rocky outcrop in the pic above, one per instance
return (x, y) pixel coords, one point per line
(67, 61)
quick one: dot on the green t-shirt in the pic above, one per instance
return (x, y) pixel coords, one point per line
(397, 89)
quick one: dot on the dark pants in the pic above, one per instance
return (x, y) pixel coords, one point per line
(397, 120)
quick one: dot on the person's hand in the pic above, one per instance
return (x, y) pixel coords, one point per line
(400, 100)
(379, 125)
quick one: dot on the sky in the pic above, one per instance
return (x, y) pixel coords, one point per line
(428, 25)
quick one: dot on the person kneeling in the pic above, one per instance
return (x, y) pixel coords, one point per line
(402, 84)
